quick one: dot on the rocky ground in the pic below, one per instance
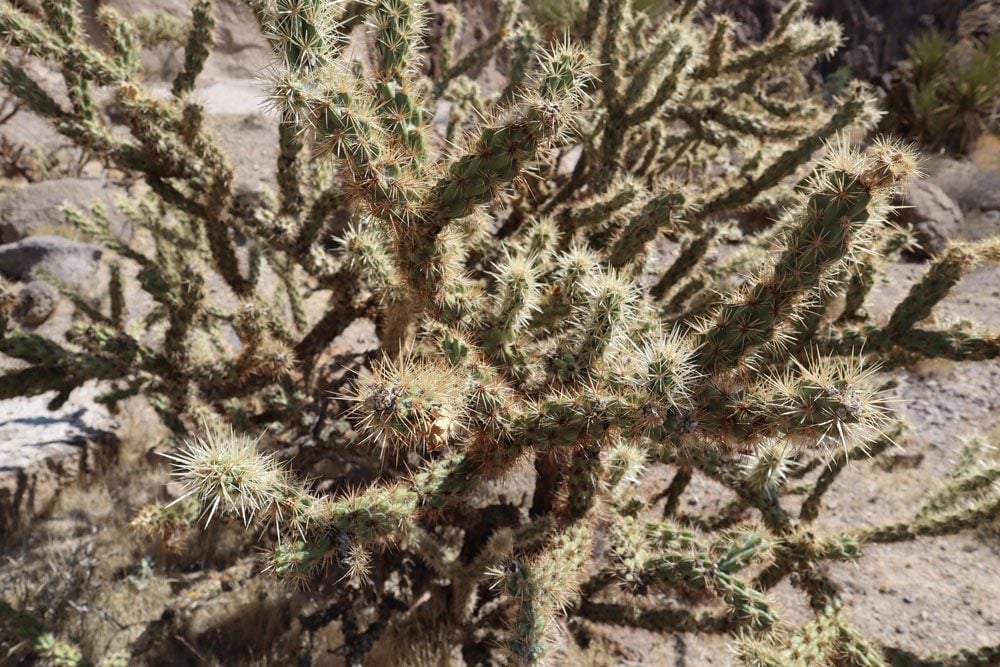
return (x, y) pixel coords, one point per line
(77, 475)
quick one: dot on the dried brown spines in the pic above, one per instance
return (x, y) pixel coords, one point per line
(410, 407)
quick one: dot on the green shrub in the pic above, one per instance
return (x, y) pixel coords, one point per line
(947, 95)
(510, 258)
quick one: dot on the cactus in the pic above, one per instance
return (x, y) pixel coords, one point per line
(509, 260)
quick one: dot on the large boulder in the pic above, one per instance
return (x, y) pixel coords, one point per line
(35, 208)
(70, 261)
(240, 50)
(479, 20)
(41, 451)
(935, 217)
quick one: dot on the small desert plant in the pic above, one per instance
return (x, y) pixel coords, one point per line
(947, 94)
(509, 255)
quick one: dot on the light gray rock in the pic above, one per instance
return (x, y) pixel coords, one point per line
(32, 131)
(981, 225)
(36, 206)
(35, 303)
(72, 262)
(972, 188)
(935, 217)
(41, 451)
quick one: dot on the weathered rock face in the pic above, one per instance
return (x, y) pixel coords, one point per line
(935, 217)
(41, 450)
(72, 262)
(35, 303)
(36, 206)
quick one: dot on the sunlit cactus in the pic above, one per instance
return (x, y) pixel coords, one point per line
(508, 246)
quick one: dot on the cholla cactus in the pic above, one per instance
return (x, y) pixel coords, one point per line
(508, 260)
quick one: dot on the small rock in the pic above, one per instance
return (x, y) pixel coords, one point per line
(35, 207)
(934, 216)
(509, 496)
(35, 303)
(72, 262)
